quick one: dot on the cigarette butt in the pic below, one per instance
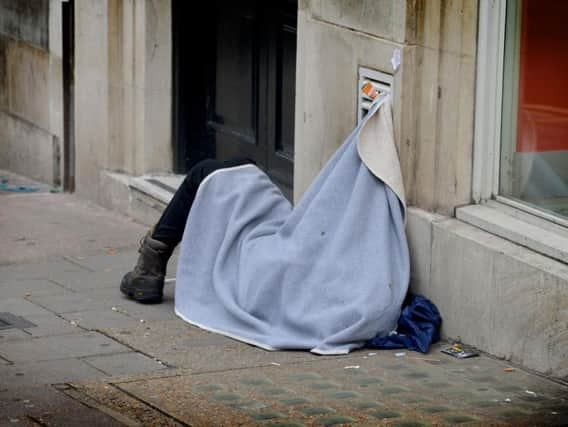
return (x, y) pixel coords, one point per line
(509, 369)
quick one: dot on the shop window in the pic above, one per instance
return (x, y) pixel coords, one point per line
(520, 165)
(533, 166)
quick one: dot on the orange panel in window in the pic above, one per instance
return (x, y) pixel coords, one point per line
(543, 77)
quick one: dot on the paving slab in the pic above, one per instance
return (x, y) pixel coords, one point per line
(155, 312)
(13, 334)
(16, 404)
(85, 280)
(113, 299)
(124, 363)
(131, 408)
(21, 375)
(38, 270)
(99, 319)
(46, 406)
(119, 260)
(67, 302)
(60, 347)
(39, 226)
(27, 287)
(370, 390)
(206, 379)
(21, 307)
(110, 258)
(113, 296)
(179, 344)
(49, 324)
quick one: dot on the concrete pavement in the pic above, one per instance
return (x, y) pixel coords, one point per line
(73, 351)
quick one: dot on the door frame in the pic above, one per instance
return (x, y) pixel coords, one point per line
(68, 76)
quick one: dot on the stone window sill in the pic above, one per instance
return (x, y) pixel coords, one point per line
(519, 227)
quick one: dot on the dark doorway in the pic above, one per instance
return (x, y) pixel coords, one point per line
(68, 35)
(234, 82)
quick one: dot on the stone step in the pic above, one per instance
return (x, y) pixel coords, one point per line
(143, 198)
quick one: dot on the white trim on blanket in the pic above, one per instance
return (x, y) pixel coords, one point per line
(331, 352)
(255, 343)
(218, 171)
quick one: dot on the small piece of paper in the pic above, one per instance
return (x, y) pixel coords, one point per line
(395, 60)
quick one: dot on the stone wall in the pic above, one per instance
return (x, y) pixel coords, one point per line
(30, 132)
(501, 297)
(26, 20)
(433, 89)
(123, 90)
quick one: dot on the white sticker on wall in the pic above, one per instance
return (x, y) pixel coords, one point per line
(395, 60)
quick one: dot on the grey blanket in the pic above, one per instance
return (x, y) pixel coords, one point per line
(326, 275)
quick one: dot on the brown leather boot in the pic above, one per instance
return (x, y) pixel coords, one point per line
(145, 283)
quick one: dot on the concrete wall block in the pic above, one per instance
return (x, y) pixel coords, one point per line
(28, 80)
(25, 149)
(26, 20)
(4, 86)
(443, 77)
(449, 25)
(381, 18)
(123, 90)
(56, 96)
(453, 166)
(534, 301)
(158, 86)
(458, 27)
(328, 58)
(115, 191)
(119, 68)
(55, 28)
(158, 44)
(444, 103)
(419, 235)
(461, 289)
(91, 96)
(504, 299)
(30, 97)
(423, 194)
(406, 119)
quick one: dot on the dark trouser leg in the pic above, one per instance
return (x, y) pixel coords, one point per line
(145, 282)
(171, 225)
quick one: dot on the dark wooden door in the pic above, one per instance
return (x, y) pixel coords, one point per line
(239, 101)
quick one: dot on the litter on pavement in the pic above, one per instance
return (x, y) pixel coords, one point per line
(460, 352)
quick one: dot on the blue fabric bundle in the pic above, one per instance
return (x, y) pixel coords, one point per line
(418, 326)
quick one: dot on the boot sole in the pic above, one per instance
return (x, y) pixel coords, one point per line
(146, 296)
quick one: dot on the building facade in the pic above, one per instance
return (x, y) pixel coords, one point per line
(94, 93)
